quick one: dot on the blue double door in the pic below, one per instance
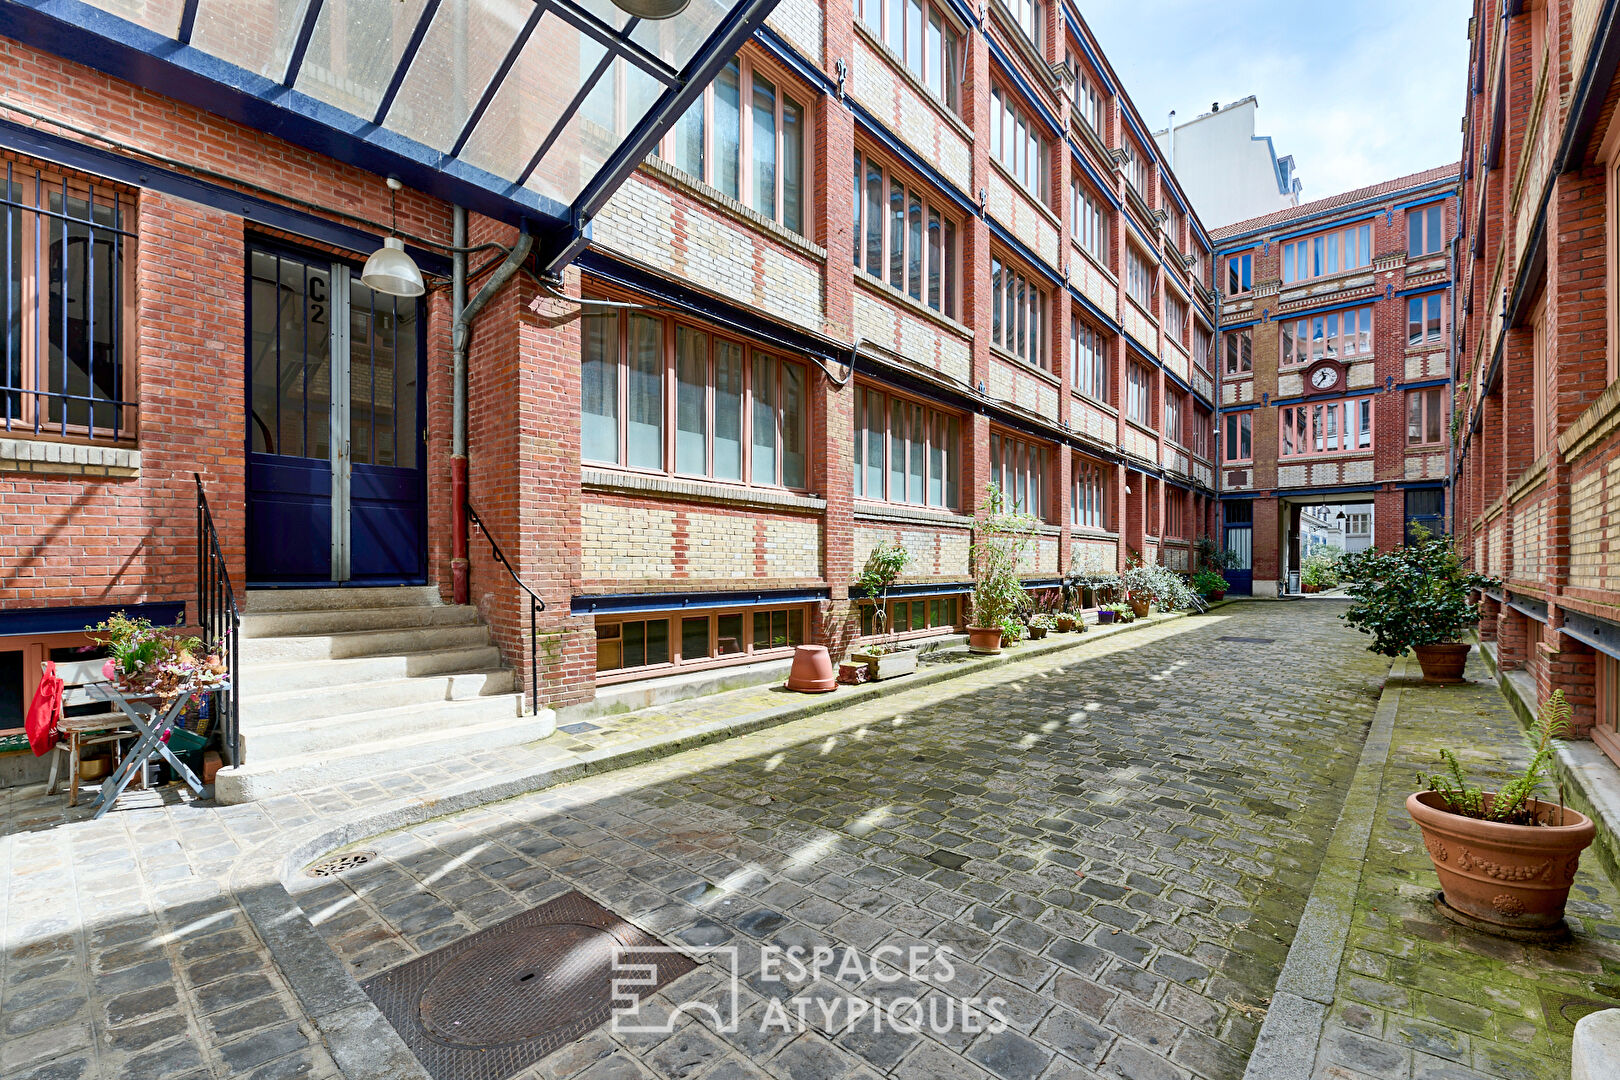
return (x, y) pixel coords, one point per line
(336, 488)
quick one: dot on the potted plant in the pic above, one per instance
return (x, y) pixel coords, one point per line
(1012, 630)
(1106, 615)
(1505, 859)
(1320, 571)
(1139, 582)
(1066, 621)
(1210, 583)
(998, 596)
(1039, 624)
(157, 662)
(1122, 613)
(1416, 597)
(883, 566)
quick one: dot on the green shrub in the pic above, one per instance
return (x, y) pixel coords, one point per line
(1413, 595)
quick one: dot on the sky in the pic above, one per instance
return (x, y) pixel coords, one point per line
(1357, 92)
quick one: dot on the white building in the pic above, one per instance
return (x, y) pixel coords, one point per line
(1230, 173)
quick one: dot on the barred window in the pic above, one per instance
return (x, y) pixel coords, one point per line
(67, 276)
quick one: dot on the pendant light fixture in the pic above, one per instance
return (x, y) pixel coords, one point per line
(652, 9)
(390, 270)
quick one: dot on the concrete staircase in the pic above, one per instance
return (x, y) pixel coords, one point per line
(346, 684)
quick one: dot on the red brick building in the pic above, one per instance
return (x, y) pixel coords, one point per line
(869, 270)
(1334, 371)
(1537, 480)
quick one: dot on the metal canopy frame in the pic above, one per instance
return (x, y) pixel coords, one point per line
(172, 65)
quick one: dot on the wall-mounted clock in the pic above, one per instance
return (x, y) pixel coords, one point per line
(1324, 377)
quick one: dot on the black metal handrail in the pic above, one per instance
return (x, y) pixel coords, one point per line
(221, 621)
(536, 606)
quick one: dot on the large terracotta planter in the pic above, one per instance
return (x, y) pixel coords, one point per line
(984, 639)
(1140, 607)
(1218, 595)
(1512, 879)
(1442, 663)
(812, 671)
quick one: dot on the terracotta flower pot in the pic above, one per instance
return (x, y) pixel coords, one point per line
(984, 639)
(1514, 877)
(1140, 607)
(1442, 663)
(812, 671)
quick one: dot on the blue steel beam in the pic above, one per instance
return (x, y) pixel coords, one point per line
(301, 45)
(412, 47)
(494, 85)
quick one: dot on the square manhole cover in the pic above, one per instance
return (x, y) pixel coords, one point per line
(496, 1002)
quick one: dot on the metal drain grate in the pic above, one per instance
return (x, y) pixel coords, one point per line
(498, 1001)
(1250, 640)
(333, 865)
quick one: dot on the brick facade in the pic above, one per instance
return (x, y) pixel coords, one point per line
(601, 542)
(1375, 369)
(1538, 455)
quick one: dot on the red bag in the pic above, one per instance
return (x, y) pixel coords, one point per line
(42, 713)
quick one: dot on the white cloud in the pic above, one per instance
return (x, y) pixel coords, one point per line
(1358, 93)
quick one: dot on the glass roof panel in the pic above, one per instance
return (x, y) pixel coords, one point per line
(354, 50)
(256, 36)
(615, 105)
(675, 40)
(159, 16)
(464, 47)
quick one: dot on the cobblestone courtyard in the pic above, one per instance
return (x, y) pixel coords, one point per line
(1140, 830)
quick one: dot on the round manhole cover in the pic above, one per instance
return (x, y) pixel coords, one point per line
(517, 987)
(333, 865)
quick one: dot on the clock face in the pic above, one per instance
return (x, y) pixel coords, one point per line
(1324, 377)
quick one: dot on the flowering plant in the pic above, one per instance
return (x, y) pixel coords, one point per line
(158, 662)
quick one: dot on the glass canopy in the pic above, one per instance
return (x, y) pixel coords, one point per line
(542, 104)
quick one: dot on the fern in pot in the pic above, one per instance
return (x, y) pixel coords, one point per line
(1505, 859)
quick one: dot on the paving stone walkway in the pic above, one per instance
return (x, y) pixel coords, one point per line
(1117, 845)
(1421, 997)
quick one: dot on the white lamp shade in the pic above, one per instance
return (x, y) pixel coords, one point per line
(391, 271)
(652, 9)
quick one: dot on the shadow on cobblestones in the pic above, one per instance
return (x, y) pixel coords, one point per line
(1128, 838)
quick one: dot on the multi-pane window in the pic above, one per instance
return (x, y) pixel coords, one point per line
(1425, 229)
(1088, 499)
(1333, 336)
(1239, 274)
(1086, 98)
(1017, 314)
(1358, 524)
(1425, 416)
(1202, 430)
(1139, 393)
(1172, 416)
(67, 259)
(1030, 16)
(926, 39)
(1138, 277)
(661, 641)
(910, 616)
(1203, 347)
(1135, 166)
(1425, 319)
(669, 397)
(1327, 253)
(1239, 429)
(1175, 512)
(746, 137)
(1017, 143)
(1333, 427)
(1175, 319)
(903, 238)
(905, 452)
(1239, 351)
(1087, 359)
(1089, 221)
(1018, 468)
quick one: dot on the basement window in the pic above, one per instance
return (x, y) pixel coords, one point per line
(652, 644)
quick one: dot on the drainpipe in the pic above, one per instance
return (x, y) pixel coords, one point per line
(460, 333)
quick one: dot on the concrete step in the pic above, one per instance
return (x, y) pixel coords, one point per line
(260, 601)
(414, 639)
(350, 619)
(261, 679)
(441, 744)
(325, 735)
(270, 711)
